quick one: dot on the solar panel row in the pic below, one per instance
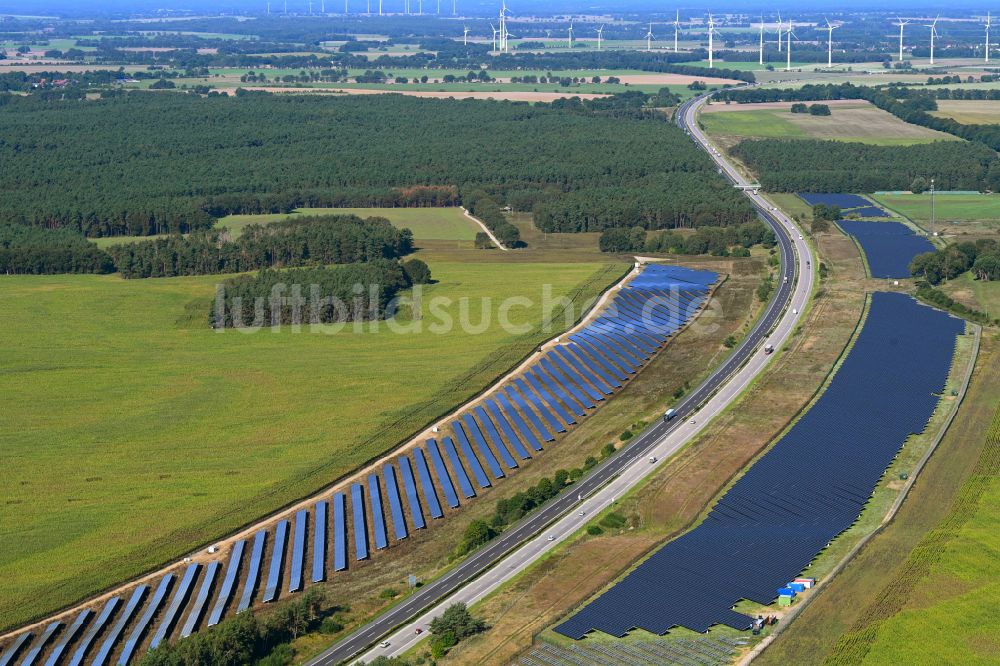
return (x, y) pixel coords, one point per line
(36, 650)
(888, 246)
(568, 380)
(801, 494)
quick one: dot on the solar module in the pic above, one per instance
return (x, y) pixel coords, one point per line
(496, 417)
(159, 596)
(395, 502)
(412, 498)
(320, 522)
(456, 464)
(888, 246)
(470, 457)
(807, 489)
(39, 645)
(110, 606)
(472, 432)
(177, 604)
(253, 573)
(509, 396)
(586, 395)
(68, 637)
(477, 434)
(570, 363)
(277, 561)
(869, 211)
(201, 599)
(450, 495)
(10, 654)
(433, 505)
(298, 550)
(844, 201)
(104, 653)
(360, 522)
(526, 394)
(593, 359)
(378, 515)
(339, 532)
(535, 382)
(228, 583)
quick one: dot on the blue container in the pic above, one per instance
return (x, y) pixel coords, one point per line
(798, 587)
(786, 592)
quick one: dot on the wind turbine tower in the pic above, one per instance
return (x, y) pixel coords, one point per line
(600, 37)
(788, 52)
(762, 39)
(649, 37)
(901, 23)
(711, 35)
(987, 56)
(829, 41)
(495, 31)
(570, 39)
(465, 37)
(677, 28)
(933, 27)
(504, 32)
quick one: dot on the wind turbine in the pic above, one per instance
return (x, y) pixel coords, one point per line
(900, 22)
(504, 33)
(677, 28)
(829, 41)
(495, 31)
(649, 37)
(600, 37)
(711, 34)
(570, 40)
(779, 32)
(933, 27)
(465, 38)
(762, 39)
(788, 65)
(987, 57)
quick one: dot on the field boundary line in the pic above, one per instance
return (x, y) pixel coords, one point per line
(890, 515)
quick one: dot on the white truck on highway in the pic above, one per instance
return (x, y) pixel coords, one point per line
(669, 414)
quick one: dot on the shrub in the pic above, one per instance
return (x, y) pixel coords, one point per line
(594, 530)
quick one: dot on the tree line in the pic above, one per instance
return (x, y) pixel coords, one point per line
(717, 241)
(982, 257)
(301, 241)
(159, 163)
(37, 250)
(320, 295)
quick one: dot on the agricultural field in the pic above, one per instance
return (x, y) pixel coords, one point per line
(425, 223)
(969, 112)
(850, 121)
(955, 213)
(124, 358)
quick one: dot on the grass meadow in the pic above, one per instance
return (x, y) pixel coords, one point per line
(133, 433)
(965, 207)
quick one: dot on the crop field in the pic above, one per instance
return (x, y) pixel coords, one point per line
(269, 416)
(969, 112)
(952, 212)
(425, 223)
(855, 122)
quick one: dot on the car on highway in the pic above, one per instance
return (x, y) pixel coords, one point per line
(384, 644)
(583, 513)
(801, 237)
(552, 537)
(418, 630)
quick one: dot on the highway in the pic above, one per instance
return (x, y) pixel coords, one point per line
(490, 567)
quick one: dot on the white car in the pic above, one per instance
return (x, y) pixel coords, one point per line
(552, 537)
(384, 644)
(800, 237)
(693, 421)
(583, 513)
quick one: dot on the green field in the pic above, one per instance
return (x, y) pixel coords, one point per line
(854, 123)
(132, 432)
(425, 223)
(976, 208)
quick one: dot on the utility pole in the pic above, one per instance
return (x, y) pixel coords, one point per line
(932, 206)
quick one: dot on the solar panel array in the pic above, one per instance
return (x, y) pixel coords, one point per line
(889, 246)
(867, 211)
(800, 495)
(479, 449)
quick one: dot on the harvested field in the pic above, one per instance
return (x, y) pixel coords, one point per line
(512, 96)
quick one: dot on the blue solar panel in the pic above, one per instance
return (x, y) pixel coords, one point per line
(395, 502)
(570, 364)
(339, 532)
(540, 390)
(378, 514)
(68, 637)
(115, 634)
(360, 522)
(868, 211)
(442, 474)
(574, 351)
(298, 550)
(39, 645)
(320, 522)
(433, 505)
(412, 498)
(146, 619)
(484, 424)
(526, 394)
(177, 604)
(889, 246)
(844, 201)
(606, 355)
(456, 464)
(201, 600)
(88, 640)
(472, 430)
(586, 394)
(779, 515)
(277, 561)
(494, 418)
(253, 573)
(228, 583)
(509, 396)
(10, 654)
